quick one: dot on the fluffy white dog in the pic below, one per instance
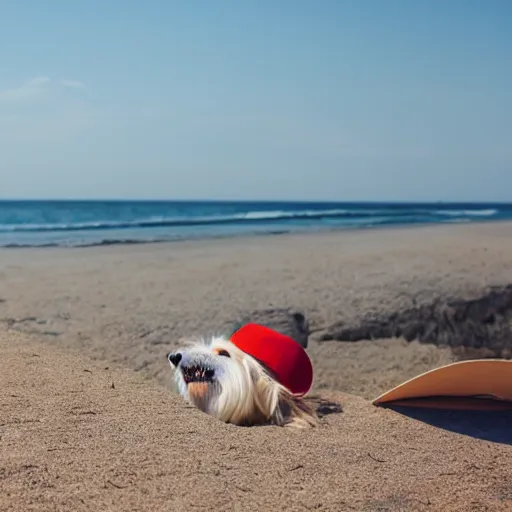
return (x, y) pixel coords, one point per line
(222, 380)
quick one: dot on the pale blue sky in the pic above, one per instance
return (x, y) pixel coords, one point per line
(280, 99)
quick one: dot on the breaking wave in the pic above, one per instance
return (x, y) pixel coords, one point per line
(251, 217)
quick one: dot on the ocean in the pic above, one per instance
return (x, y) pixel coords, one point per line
(89, 223)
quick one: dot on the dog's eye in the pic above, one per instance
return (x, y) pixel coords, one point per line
(224, 353)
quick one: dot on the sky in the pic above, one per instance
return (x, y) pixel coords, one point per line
(244, 99)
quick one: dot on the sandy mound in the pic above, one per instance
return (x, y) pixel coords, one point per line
(483, 323)
(75, 435)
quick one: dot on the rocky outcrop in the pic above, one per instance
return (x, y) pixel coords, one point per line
(478, 327)
(286, 321)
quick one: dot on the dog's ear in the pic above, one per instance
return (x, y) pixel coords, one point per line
(276, 404)
(265, 390)
(266, 396)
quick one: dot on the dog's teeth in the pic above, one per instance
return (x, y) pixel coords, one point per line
(197, 374)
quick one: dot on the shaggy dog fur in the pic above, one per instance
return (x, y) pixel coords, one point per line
(221, 380)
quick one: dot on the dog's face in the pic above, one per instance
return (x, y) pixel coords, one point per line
(221, 380)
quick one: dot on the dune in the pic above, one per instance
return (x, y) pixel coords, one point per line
(78, 434)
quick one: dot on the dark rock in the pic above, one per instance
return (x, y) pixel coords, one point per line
(286, 321)
(478, 327)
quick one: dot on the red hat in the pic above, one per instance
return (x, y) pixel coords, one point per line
(280, 353)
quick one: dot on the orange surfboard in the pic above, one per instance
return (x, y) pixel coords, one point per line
(482, 384)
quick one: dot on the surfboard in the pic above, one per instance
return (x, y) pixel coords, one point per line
(480, 384)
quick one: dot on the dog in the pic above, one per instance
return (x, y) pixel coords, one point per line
(220, 379)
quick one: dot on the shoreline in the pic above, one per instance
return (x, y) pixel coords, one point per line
(248, 237)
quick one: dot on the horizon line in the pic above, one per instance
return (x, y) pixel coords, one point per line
(231, 201)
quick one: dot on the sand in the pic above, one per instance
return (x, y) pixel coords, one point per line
(69, 441)
(130, 305)
(78, 436)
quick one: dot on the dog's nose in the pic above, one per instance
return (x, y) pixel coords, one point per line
(174, 358)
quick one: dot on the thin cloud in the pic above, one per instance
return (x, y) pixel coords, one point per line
(74, 84)
(35, 89)
(38, 81)
(30, 90)
(41, 109)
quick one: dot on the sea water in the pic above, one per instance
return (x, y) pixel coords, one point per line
(86, 223)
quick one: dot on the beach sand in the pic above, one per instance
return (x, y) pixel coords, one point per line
(72, 442)
(131, 304)
(77, 435)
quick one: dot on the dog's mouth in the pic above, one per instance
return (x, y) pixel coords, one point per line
(197, 374)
